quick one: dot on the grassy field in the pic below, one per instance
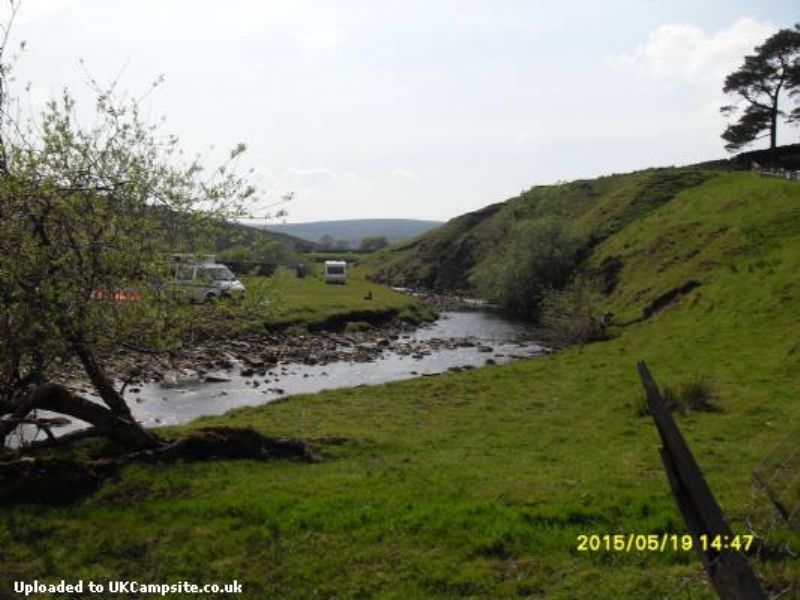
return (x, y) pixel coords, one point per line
(478, 484)
(301, 304)
(312, 302)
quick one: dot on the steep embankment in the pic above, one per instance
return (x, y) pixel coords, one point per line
(445, 258)
(478, 484)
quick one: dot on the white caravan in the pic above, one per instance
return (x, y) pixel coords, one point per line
(335, 271)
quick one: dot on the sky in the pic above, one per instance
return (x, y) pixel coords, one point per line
(417, 109)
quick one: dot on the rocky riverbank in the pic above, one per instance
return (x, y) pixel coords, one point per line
(446, 302)
(253, 355)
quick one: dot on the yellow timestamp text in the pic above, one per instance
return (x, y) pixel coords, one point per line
(662, 542)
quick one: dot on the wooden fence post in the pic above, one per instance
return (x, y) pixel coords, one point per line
(728, 569)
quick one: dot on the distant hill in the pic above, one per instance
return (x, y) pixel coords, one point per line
(222, 236)
(293, 242)
(242, 235)
(353, 231)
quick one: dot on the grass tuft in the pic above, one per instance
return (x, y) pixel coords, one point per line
(694, 395)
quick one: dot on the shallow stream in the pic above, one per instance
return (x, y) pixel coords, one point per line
(487, 339)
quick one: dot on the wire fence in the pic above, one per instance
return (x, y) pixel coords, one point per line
(781, 173)
(778, 477)
(773, 515)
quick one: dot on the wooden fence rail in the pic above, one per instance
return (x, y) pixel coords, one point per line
(727, 568)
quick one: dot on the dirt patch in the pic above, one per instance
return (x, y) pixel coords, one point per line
(608, 273)
(57, 481)
(668, 298)
(50, 480)
(211, 443)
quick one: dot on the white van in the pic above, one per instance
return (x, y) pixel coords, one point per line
(335, 271)
(202, 279)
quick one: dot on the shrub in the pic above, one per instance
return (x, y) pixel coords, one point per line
(538, 255)
(696, 394)
(573, 313)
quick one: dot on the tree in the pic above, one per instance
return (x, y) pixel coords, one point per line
(326, 242)
(85, 212)
(538, 255)
(760, 83)
(374, 243)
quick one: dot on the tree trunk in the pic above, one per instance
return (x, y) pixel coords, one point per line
(104, 386)
(57, 398)
(775, 113)
(773, 133)
(773, 125)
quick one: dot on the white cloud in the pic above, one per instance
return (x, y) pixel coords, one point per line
(310, 177)
(403, 174)
(351, 178)
(39, 9)
(688, 53)
(321, 39)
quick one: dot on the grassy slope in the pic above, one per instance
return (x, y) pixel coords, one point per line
(445, 257)
(313, 302)
(477, 484)
(285, 300)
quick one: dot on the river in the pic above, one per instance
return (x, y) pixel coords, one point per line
(488, 338)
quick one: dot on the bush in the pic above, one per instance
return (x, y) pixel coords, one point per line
(573, 313)
(538, 255)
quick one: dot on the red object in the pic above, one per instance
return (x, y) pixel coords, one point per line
(120, 295)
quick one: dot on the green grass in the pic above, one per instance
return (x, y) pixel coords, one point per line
(312, 302)
(477, 484)
(286, 302)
